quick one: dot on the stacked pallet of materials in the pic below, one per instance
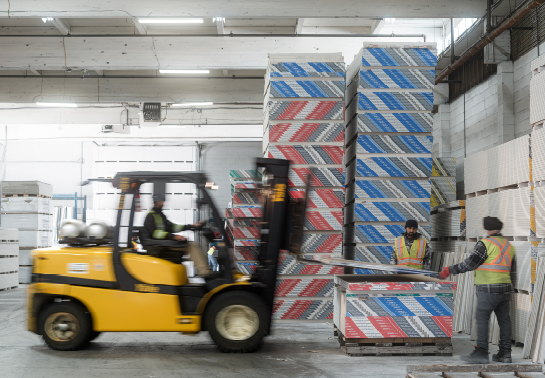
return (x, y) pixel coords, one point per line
(243, 217)
(372, 311)
(388, 164)
(537, 92)
(502, 166)
(443, 181)
(303, 122)
(9, 258)
(26, 205)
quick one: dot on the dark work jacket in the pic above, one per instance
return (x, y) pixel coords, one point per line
(168, 229)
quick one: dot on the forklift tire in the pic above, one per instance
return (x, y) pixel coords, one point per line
(94, 335)
(237, 322)
(65, 326)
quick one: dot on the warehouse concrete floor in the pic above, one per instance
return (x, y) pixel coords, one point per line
(295, 350)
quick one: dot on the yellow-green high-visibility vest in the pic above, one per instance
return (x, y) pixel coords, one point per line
(497, 266)
(414, 258)
(159, 232)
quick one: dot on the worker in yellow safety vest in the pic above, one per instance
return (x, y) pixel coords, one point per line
(493, 263)
(411, 249)
(159, 227)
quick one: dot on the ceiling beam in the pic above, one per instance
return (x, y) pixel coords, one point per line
(96, 114)
(376, 28)
(177, 52)
(220, 24)
(141, 28)
(299, 25)
(63, 27)
(110, 90)
(252, 9)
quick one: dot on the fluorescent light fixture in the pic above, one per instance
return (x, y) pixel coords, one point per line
(170, 20)
(58, 104)
(184, 71)
(193, 104)
(45, 19)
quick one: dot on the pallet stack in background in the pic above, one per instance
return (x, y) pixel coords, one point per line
(388, 163)
(303, 122)
(9, 258)
(534, 345)
(26, 206)
(244, 217)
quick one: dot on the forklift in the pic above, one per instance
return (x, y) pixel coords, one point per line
(99, 283)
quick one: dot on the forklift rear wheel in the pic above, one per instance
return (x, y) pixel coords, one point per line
(237, 322)
(66, 326)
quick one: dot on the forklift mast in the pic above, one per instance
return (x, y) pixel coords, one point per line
(275, 228)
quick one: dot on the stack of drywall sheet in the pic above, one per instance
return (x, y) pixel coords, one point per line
(388, 142)
(504, 165)
(26, 205)
(534, 345)
(538, 154)
(511, 206)
(243, 217)
(303, 122)
(443, 181)
(449, 219)
(537, 92)
(369, 306)
(9, 258)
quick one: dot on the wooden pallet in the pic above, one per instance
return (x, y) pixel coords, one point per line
(406, 346)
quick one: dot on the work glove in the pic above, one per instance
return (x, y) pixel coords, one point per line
(444, 273)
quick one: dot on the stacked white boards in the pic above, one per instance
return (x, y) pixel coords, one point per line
(9, 258)
(388, 142)
(26, 206)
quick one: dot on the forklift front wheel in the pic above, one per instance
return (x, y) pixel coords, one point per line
(237, 322)
(65, 326)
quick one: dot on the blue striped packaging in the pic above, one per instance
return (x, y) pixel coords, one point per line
(399, 101)
(395, 122)
(395, 56)
(385, 233)
(393, 189)
(397, 78)
(394, 167)
(308, 69)
(395, 144)
(307, 88)
(392, 211)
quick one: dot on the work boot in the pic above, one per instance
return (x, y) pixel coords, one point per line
(503, 355)
(478, 356)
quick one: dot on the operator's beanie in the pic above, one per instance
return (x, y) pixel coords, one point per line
(411, 223)
(492, 223)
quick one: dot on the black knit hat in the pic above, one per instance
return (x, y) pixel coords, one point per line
(411, 223)
(492, 223)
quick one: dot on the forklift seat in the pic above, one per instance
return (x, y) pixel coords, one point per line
(171, 250)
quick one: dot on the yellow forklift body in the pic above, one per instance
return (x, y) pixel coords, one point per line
(112, 310)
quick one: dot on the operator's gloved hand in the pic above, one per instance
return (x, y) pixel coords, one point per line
(198, 225)
(444, 273)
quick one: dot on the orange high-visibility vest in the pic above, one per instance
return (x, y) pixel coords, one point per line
(497, 266)
(414, 258)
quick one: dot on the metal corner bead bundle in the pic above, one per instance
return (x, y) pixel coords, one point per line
(303, 122)
(388, 144)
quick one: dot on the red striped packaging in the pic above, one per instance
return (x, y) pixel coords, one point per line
(324, 220)
(318, 176)
(321, 198)
(308, 154)
(306, 132)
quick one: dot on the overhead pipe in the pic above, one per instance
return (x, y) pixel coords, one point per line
(488, 38)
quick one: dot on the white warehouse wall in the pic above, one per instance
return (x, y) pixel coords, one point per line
(219, 158)
(492, 113)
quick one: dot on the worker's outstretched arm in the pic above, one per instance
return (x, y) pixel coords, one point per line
(475, 259)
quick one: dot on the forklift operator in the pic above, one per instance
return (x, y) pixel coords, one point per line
(159, 227)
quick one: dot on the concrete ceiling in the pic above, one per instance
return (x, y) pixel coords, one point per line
(246, 9)
(98, 53)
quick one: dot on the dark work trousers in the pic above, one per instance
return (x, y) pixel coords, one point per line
(499, 303)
